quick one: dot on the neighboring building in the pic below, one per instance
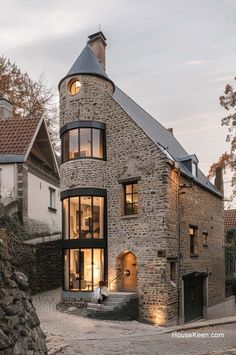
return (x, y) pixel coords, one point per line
(29, 175)
(137, 210)
(230, 254)
(229, 219)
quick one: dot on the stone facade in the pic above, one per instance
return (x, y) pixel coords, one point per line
(153, 234)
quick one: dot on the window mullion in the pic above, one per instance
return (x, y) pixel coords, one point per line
(69, 267)
(68, 218)
(92, 215)
(79, 142)
(79, 218)
(91, 135)
(92, 261)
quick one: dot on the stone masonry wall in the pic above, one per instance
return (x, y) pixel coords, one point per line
(42, 263)
(20, 332)
(204, 210)
(87, 104)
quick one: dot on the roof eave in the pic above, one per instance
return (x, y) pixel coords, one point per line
(197, 182)
(11, 158)
(84, 73)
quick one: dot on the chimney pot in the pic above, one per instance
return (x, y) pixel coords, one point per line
(97, 42)
(219, 179)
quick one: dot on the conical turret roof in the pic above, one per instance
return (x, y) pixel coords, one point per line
(87, 63)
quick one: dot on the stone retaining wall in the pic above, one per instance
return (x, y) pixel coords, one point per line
(20, 331)
(42, 263)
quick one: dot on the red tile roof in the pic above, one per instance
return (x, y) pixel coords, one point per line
(230, 219)
(16, 134)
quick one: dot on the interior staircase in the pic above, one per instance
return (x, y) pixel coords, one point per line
(119, 305)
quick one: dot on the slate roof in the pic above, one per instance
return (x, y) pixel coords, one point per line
(230, 219)
(160, 136)
(16, 136)
(87, 63)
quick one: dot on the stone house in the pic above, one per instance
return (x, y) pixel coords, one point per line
(29, 173)
(137, 210)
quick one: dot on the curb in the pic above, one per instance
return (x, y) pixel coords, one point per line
(199, 325)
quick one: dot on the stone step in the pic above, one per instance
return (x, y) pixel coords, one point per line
(112, 303)
(118, 299)
(102, 308)
(122, 294)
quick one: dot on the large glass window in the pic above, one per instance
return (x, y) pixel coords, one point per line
(97, 143)
(83, 143)
(74, 218)
(83, 269)
(86, 230)
(73, 144)
(65, 146)
(65, 221)
(84, 218)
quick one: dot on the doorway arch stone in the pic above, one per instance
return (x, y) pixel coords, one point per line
(126, 271)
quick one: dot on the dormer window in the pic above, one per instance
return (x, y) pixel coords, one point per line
(191, 163)
(194, 169)
(74, 87)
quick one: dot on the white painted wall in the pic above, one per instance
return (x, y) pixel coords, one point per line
(7, 183)
(39, 201)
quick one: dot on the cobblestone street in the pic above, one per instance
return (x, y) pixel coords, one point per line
(69, 334)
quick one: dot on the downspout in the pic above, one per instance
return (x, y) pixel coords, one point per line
(178, 247)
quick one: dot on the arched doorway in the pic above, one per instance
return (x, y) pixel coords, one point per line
(127, 272)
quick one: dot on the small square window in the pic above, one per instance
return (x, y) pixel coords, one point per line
(131, 198)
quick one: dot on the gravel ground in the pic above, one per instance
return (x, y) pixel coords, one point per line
(70, 334)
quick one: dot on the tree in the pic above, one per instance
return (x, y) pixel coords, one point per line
(29, 97)
(228, 159)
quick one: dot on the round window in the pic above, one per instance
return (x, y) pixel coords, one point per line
(74, 86)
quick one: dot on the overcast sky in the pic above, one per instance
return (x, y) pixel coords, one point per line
(174, 57)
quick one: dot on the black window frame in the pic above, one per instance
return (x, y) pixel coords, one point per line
(105, 267)
(132, 183)
(79, 221)
(65, 142)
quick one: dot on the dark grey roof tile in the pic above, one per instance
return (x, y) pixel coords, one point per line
(160, 136)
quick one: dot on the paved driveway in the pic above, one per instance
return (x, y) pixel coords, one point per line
(69, 334)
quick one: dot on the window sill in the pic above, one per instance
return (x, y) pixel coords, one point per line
(194, 255)
(127, 216)
(53, 210)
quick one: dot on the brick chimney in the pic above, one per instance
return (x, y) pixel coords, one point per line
(97, 42)
(219, 180)
(5, 108)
